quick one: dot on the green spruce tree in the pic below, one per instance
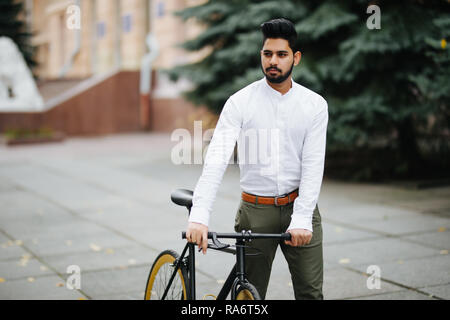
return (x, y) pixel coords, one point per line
(14, 27)
(388, 89)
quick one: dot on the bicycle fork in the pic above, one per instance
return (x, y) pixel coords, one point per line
(191, 266)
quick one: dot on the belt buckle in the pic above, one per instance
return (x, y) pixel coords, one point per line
(276, 200)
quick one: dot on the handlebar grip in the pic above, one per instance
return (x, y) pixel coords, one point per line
(286, 236)
(183, 235)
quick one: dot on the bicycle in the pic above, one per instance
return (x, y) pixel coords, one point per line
(172, 276)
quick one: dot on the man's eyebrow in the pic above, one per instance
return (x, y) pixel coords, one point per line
(280, 51)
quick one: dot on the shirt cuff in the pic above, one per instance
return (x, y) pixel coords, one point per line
(299, 221)
(199, 215)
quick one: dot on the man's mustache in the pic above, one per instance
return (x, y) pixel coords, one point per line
(272, 68)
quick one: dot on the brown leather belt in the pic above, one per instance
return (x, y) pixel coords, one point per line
(277, 201)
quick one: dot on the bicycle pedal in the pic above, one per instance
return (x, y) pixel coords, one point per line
(209, 295)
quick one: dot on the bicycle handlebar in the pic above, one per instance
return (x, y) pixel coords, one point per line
(245, 235)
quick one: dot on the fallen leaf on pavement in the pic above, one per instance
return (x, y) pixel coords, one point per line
(24, 260)
(95, 247)
(344, 261)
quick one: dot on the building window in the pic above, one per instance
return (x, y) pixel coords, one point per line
(160, 9)
(127, 23)
(101, 30)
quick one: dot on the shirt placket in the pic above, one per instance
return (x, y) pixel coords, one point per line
(277, 146)
(277, 152)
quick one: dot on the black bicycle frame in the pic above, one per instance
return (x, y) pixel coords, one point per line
(237, 274)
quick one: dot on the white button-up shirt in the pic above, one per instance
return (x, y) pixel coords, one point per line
(281, 147)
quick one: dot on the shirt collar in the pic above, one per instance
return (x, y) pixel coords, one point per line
(276, 93)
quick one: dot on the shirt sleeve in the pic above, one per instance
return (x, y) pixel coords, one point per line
(217, 158)
(313, 160)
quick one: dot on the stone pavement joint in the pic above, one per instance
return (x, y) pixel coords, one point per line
(392, 282)
(42, 261)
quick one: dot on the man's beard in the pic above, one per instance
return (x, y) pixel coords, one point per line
(280, 78)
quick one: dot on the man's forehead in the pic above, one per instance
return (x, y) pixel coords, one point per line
(276, 44)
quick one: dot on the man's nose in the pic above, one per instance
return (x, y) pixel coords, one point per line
(274, 60)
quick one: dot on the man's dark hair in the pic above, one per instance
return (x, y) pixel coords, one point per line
(280, 28)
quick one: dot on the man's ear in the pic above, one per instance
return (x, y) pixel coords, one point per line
(297, 57)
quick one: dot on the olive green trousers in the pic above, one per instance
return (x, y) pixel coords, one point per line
(305, 262)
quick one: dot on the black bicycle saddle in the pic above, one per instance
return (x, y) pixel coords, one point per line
(182, 197)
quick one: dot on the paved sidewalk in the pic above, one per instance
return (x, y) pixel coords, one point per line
(103, 204)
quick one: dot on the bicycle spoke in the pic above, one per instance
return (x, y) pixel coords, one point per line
(175, 291)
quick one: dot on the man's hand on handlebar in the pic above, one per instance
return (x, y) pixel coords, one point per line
(299, 237)
(198, 233)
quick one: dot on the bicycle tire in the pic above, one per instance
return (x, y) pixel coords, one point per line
(247, 291)
(160, 274)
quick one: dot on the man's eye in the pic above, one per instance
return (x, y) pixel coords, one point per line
(267, 54)
(282, 55)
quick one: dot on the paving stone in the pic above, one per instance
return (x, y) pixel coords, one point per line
(42, 288)
(333, 234)
(67, 192)
(130, 214)
(7, 187)
(440, 291)
(127, 183)
(399, 295)
(115, 282)
(24, 267)
(437, 239)
(411, 224)
(415, 273)
(10, 249)
(375, 252)
(101, 258)
(24, 207)
(135, 295)
(62, 227)
(362, 212)
(76, 241)
(340, 283)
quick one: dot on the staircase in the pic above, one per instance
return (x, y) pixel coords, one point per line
(103, 104)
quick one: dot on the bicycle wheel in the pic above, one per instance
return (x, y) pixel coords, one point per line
(159, 277)
(247, 291)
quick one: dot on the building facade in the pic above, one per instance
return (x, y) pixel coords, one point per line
(81, 39)
(110, 34)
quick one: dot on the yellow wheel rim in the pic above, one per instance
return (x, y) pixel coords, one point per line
(245, 295)
(166, 258)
